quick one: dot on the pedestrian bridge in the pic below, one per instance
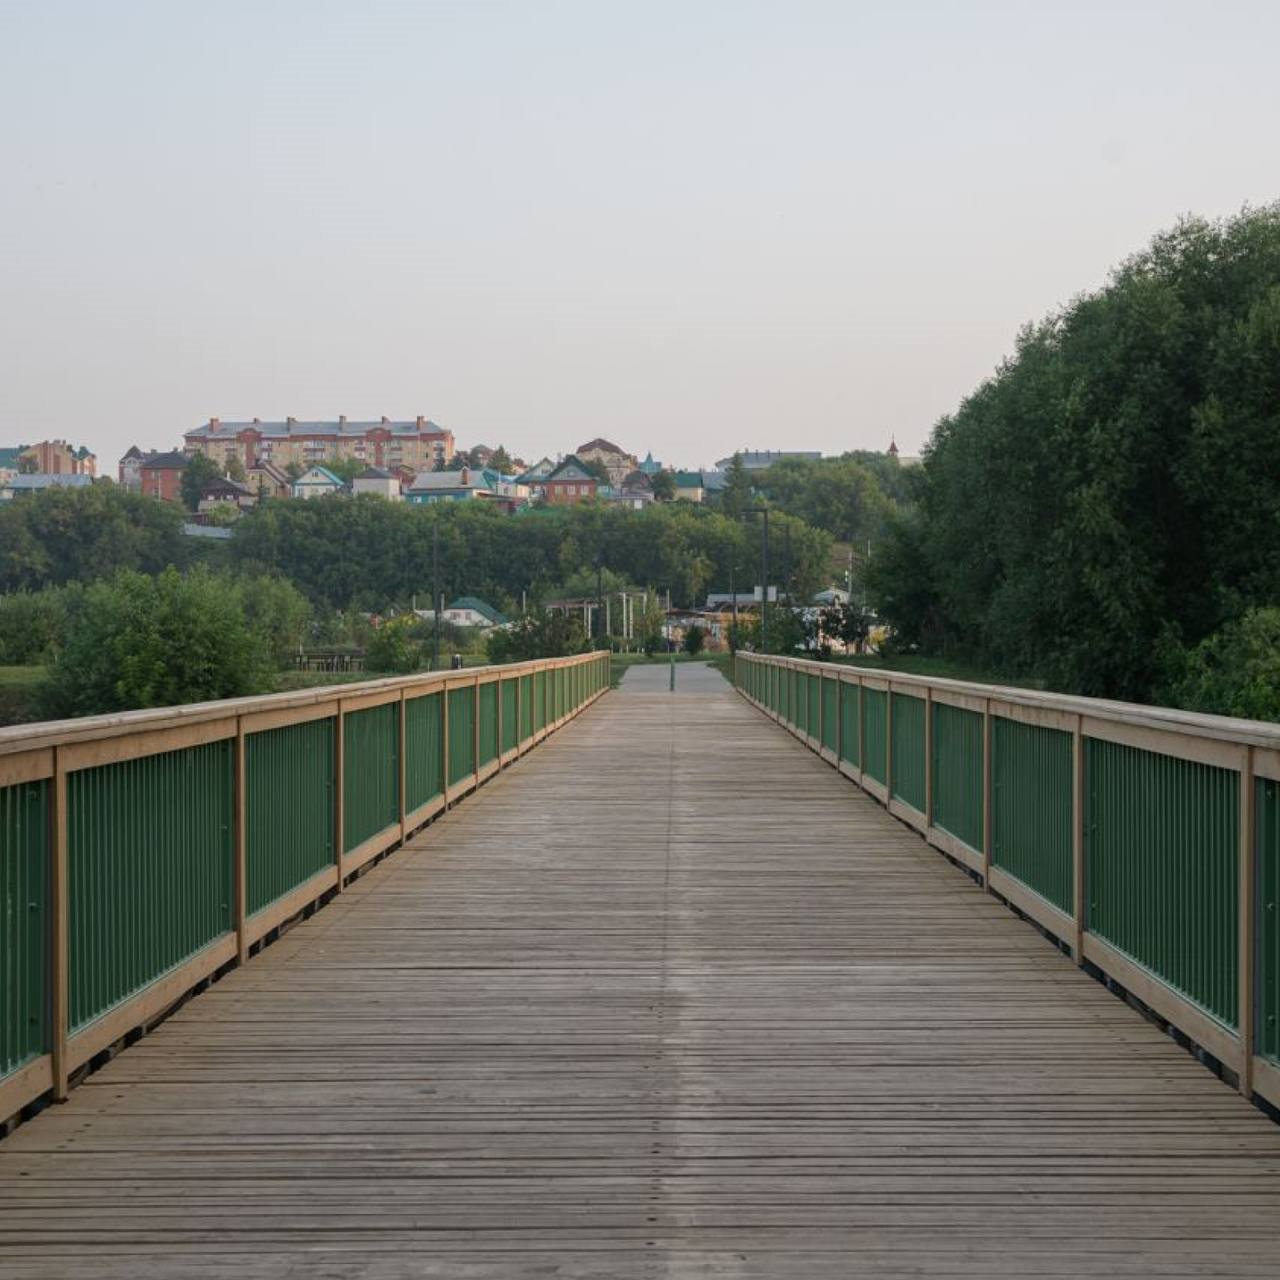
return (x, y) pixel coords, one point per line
(670, 995)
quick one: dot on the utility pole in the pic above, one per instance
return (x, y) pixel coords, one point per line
(764, 574)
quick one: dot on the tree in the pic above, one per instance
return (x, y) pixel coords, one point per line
(198, 472)
(346, 469)
(140, 641)
(664, 486)
(392, 648)
(235, 470)
(694, 639)
(1234, 672)
(538, 634)
(501, 461)
(596, 468)
(737, 494)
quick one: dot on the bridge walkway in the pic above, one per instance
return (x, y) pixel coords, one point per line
(669, 998)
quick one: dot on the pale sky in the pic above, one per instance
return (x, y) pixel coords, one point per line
(689, 227)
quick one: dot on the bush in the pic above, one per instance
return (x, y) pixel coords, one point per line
(537, 635)
(392, 650)
(33, 624)
(135, 641)
(694, 639)
(1234, 672)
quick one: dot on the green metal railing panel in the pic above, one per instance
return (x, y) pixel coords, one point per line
(462, 743)
(488, 722)
(149, 861)
(1031, 807)
(371, 772)
(423, 750)
(908, 748)
(1268, 855)
(874, 732)
(831, 715)
(539, 699)
(526, 707)
(785, 680)
(289, 808)
(510, 711)
(802, 701)
(849, 717)
(24, 923)
(957, 773)
(1163, 839)
(813, 711)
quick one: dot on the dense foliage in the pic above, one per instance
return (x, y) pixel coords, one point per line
(367, 553)
(1110, 497)
(139, 640)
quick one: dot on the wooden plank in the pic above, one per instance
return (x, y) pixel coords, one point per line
(369, 848)
(285, 908)
(908, 814)
(59, 939)
(239, 847)
(1030, 903)
(29, 766)
(88, 755)
(1246, 931)
(25, 1085)
(284, 717)
(956, 848)
(1226, 755)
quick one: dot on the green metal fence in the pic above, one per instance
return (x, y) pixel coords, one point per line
(289, 808)
(1170, 821)
(149, 855)
(24, 923)
(371, 796)
(908, 749)
(185, 837)
(957, 773)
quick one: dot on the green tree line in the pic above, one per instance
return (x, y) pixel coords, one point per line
(1102, 512)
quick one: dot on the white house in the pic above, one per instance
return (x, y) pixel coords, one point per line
(470, 611)
(316, 482)
(375, 480)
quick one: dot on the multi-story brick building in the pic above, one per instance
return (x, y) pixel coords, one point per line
(160, 475)
(616, 462)
(418, 444)
(57, 458)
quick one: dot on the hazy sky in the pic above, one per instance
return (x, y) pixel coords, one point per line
(690, 227)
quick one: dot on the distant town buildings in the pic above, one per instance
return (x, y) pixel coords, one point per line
(316, 482)
(160, 475)
(757, 460)
(14, 484)
(418, 444)
(374, 480)
(568, 483)
(48, 458)
(690, 486)
(614, 460)
(471, 611)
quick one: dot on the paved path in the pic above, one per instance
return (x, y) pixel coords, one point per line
(670, 998)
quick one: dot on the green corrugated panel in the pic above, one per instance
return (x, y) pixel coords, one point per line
(874, 714)
(149, 852)
(957, 773)
(1268, 853)
(813, 712)
(908, 749)
(784, 675)
(289, 803)
(371, 772)
(831, 715)
(488, 722)
(526, 707)
(510, 727)
(802, 701)
(539, 699)
(1031, 807)
(849, 694)
(462, 743)
(423, 749)
(1163, 867)
(24, 924)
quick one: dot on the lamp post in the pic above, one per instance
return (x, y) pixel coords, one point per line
(764, 573)
(435, 585)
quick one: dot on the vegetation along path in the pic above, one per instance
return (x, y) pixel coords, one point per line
(669, 998)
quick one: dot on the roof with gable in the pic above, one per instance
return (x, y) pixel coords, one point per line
(649, 466)
(572, 468)
(600, 445)
(318, 475)
(689, 480)
(539, 471)
(131, 452)
(465, 478)
(484, 609)
(49, 480)
(375, 473)
(225, 486)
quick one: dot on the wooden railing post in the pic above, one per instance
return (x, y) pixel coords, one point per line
(928, 756)
(444, 741)
(888, 743)
(986, 794)
(519, 710)
(339, 790)
(60, 955)
(1247, 926)
(402, 768)
(1077, 839)
(475, 729)
(239, 879)
(862, 731)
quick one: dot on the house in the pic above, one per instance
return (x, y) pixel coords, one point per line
(617, 463)
(470, 611)
(129, 468)
(160, 475)
(649, 466)
(755, 460)
(57, 458)
(450, 486)
(481, 454)
(375, 480)
(570, 482)
(225, 492)
(419, 443)
(19, 484)
(690, 486)
(268, 481)
(316, 482)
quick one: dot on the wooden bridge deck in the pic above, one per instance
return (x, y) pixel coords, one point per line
(669, 999)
